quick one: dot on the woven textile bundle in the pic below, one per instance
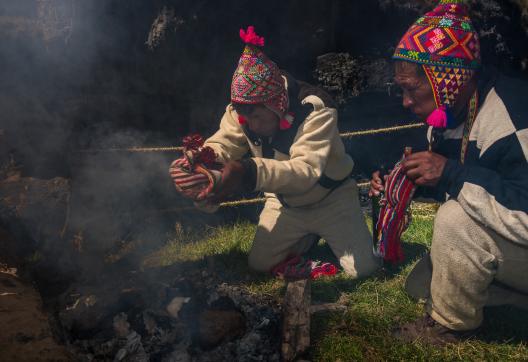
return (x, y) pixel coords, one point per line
(196, 174)
(394, 215)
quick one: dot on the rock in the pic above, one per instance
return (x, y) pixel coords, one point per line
(133, 350)
(87, 310)
(340, 74)
(249, 343)
(345, 76)
(166, 20)
(217, 326)
(261, 342)
(179, 354)
(121, 325)
(176, 304)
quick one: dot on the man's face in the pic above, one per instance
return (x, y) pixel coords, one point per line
(262, 121)
(417, 93)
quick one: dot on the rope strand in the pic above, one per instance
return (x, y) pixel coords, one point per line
(345, 135)
(260, 200)
(392, 129)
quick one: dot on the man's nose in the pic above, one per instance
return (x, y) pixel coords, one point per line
(407, 101)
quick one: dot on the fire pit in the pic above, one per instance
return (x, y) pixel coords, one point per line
(195, 317)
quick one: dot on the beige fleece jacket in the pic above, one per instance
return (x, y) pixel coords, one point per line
(316, 150)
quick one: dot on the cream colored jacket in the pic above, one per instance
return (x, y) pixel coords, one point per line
(303, 163)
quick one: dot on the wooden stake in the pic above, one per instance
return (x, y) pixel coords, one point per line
(296, 319)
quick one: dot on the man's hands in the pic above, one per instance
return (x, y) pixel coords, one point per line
(232, 181)
(197, 186)
(424, 168)
(376, 184)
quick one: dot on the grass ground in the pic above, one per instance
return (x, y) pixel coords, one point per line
(374, 305)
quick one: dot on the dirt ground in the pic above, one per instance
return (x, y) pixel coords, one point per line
(25, 333)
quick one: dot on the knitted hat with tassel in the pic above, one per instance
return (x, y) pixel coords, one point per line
(447, 46)
(257, 79)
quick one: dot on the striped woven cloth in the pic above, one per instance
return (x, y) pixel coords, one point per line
(394, 215)
(191, 177)
(186, 181)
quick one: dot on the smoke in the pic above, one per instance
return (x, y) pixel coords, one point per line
(120, 196)
(97, 74)
(123, 206)
(43, 66)
(77, 75)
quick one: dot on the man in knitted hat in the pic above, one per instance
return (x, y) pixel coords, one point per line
(478, 162)
(297, 159)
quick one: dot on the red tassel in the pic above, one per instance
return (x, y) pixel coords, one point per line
(287, 121)
(242, 119)
(193, 142)
(438, 118)
(284, 124)
(250, 37)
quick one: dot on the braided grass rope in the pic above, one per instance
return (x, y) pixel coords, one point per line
(345, 135)
(418, 210)
(391, 129)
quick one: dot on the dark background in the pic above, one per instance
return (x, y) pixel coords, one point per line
(79, 74)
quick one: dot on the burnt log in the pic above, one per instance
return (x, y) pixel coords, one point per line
(327, 308)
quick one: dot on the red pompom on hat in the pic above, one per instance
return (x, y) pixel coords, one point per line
(250, 37)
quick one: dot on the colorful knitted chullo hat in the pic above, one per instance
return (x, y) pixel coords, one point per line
(445, 42)
(257, 79)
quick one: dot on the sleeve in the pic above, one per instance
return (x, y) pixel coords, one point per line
(229, 142)
(428, 194)
(498, 199)
(308, 156)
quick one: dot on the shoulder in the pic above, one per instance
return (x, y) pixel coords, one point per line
(315, 96)
(230, 114)
(503, 110)
(316, 103)
(503, 118)
(306, 98)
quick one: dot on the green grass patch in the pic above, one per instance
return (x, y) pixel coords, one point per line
(375, 305)
(186, 247)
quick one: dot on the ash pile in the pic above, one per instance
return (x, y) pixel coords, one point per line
(193, 318)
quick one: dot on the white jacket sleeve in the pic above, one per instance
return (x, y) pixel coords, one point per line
(229, 142)
(308, 156)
